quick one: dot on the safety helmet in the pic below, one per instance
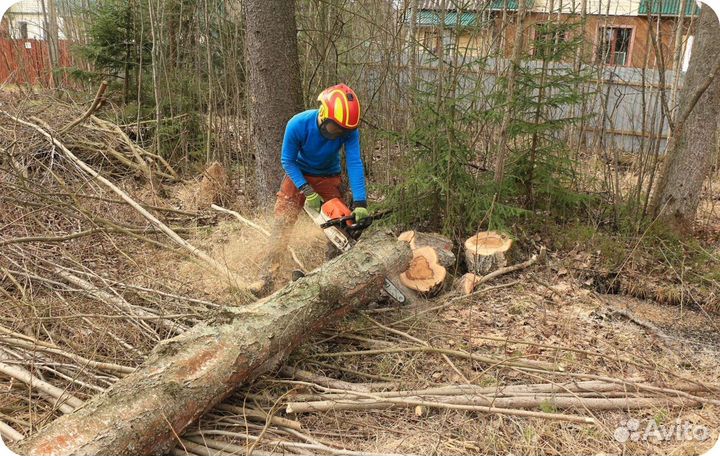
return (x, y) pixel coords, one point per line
(340, 105)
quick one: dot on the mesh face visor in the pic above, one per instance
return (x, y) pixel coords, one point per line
(327, 125)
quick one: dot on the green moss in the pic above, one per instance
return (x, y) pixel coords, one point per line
(547, 407)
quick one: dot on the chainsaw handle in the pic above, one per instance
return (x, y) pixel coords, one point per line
(364, 223)
(337, 221)
(342, 222)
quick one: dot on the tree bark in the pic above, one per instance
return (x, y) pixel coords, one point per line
(185, 376)
(693, 141)
(274, 90)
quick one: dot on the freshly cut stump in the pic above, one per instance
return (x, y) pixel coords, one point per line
(486, 251)
(443, 245)
(425, 274)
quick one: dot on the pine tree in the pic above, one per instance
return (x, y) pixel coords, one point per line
(541, 171)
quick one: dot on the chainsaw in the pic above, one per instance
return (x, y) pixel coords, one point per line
(338, 224)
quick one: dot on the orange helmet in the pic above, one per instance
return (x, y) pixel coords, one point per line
(340, 104)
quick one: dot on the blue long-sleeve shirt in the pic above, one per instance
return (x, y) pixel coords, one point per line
(306, 151)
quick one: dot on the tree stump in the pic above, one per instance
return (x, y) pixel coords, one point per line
(214, 185)
(443, 246)
(425, 274)
(486, 251)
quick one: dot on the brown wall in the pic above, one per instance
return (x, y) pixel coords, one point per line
(641, 46)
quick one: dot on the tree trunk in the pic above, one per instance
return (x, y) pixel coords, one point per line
(273, 85)
(185, 376)
(693, 141)
(53, 40)
(514, 63)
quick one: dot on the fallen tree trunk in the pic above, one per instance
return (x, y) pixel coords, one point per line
(185, 376)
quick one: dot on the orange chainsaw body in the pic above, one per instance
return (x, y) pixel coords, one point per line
(334, 209)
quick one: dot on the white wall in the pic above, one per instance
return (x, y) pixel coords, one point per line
(30, 12)
(600, 7)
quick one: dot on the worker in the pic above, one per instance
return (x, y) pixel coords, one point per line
(311, 160)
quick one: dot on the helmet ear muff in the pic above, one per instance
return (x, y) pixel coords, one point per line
(322, 112)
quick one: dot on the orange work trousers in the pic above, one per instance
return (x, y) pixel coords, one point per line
(290, 199)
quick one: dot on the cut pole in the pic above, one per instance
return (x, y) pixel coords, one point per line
(7, 432)
(502, 405)
(187, 375)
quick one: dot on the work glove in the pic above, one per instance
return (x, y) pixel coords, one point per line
(360, 213)
(312, 198)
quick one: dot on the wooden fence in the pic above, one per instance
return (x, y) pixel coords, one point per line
(28, 61)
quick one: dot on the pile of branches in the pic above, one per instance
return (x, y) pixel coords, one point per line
(80, 309)
(96, 141)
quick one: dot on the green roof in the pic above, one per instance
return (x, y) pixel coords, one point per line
(512, 5)
(463, 18)
(451, 18)
(668, 7)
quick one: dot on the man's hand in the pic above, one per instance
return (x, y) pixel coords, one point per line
(311, 197)
(314, 201)
(360, 213)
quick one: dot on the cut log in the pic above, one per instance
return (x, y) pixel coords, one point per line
(486, 251)
(467, 283)
(443, 246)
(185, 376)
(425, 274)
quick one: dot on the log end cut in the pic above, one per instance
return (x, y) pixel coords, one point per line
(467, 283)
(425, 274)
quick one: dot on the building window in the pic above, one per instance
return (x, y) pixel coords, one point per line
(614, 46)
(23, 28)
(431, 41)
(548, 41)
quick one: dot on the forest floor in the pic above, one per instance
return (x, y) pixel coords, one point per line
(545, 314)
(550, 314)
